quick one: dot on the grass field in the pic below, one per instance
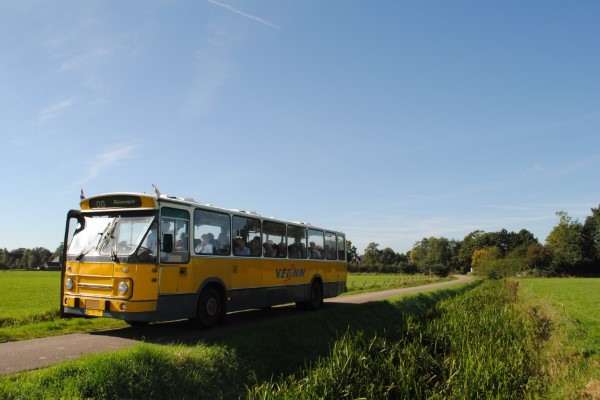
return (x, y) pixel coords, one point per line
(25, 294)
(357, 283)
(573, 306)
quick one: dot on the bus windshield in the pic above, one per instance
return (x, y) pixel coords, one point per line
(110, 235)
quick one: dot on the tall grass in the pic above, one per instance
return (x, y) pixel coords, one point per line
(480, 345)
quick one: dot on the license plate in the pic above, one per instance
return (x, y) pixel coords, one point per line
(94, 313)
(94, 304)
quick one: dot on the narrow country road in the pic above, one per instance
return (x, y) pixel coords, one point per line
(39, 353)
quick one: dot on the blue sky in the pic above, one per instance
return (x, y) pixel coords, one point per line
(389, 120)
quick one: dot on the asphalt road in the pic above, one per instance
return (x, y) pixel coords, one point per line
(39, 353)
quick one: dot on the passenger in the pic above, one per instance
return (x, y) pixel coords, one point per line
(281, 250)
(270, 251)
(182, 242)
(295, 251)
(211, 239)
(223, 240)
(223, 243)
(255, 249)
(314, 252)
(240, 248)
(204, 247)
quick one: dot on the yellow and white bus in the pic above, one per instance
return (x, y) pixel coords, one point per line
(144, 258)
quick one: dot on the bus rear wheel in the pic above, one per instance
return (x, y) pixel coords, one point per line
(210, 308)
(136, 324)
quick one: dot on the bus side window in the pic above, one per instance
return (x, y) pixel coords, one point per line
(247, 233)
(341, 247)
(216, 226)
(315, 246)
(175, 225)
(330, 243)
(296, 238)
(274, 239)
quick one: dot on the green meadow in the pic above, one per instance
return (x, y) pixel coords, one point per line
(358, 283)
(28, 295)
(572, 306)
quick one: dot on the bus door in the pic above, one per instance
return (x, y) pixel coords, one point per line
(175, 271)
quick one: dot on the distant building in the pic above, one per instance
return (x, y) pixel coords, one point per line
(53, 265)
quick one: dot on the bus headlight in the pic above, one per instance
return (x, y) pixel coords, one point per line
(69, 284)
(123, 288)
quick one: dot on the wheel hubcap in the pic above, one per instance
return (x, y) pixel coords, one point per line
(211, 307)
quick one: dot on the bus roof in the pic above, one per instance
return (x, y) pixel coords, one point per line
(126, 201)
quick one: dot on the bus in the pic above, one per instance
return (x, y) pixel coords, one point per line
(146, 258)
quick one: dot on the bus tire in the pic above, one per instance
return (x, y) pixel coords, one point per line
(315, 301)
(136, 324)
(315, 297)
(210, 308)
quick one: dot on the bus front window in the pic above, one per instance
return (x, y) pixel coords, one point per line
(110, 236)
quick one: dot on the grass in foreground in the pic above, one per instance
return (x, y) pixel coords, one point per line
(573, 306)
(479, 345)
(411, 347)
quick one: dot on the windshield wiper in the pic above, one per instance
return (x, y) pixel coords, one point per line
(107, 234)
(85, 250)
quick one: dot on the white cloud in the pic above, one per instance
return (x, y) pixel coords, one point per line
(53, 110)
(107, 160)
(243, 14)
(86, 59)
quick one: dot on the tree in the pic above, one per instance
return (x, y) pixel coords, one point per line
(468, 246)
(372, 255)
(22, 258)
(59, 249)
(565, 243)
(350, 249)
(432, 254)
(591, 236)
(483, 260)
(388, 256)
(537, 257)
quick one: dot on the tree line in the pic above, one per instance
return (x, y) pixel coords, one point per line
(22, 258)
(571, 248)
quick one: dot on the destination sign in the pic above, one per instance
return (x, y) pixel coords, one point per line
(116, 202)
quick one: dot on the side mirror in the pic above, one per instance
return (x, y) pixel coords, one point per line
(167, 243)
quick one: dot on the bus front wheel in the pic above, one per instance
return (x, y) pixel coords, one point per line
(210, 308)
